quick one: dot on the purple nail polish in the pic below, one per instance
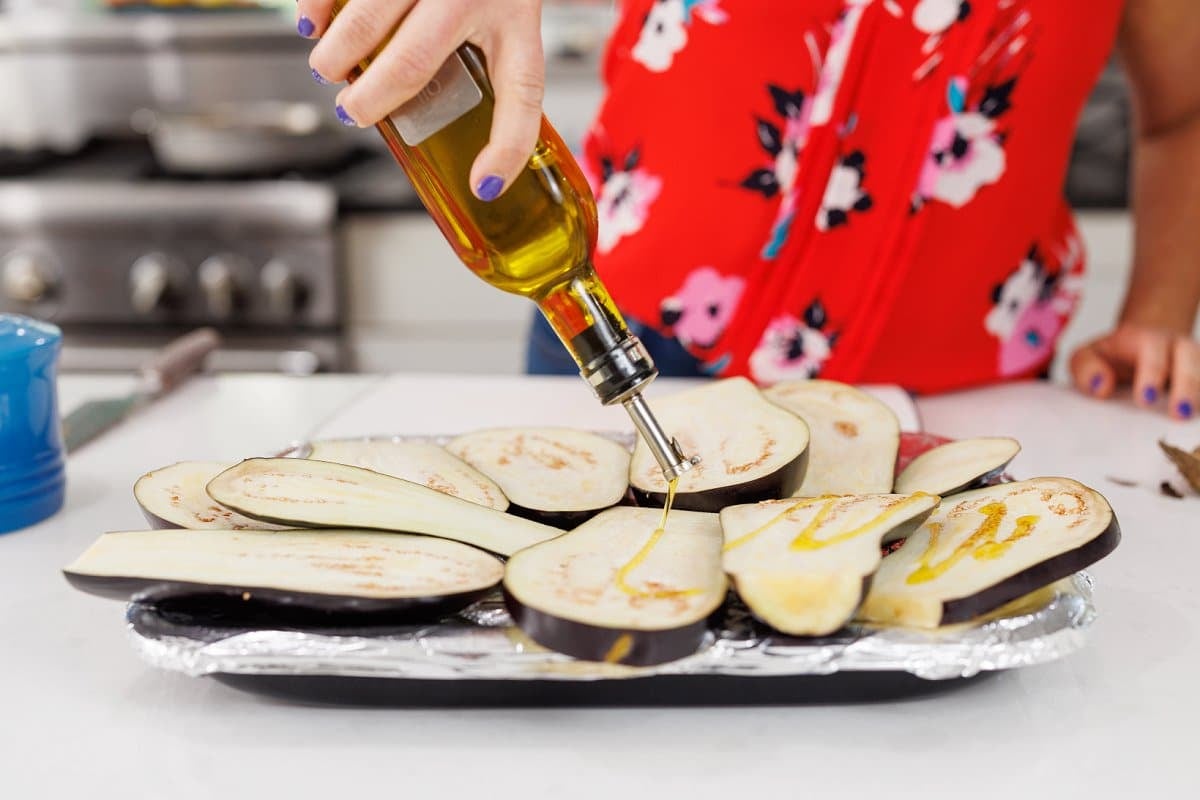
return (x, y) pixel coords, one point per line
(1150, 394)
(489, 188)
(319, 78)
(1097, 382)
(1185, 409)
(305, 27)
(345, 118)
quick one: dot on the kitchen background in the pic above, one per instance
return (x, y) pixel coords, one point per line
(171, 163)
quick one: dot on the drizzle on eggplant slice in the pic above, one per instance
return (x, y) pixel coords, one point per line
(558, 476)
(985, 548)
(323, 571)
(803, 566)
(174, 497)
(855, 437)
(318, 494)
(750, 448)
(958, 466)
(420, 462)
(619, 588)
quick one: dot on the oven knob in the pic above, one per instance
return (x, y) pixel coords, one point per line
(218, 278)
(27, 278)
(282, 288)
(152, 282)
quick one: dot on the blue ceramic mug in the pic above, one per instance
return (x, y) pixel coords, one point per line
(32, 475)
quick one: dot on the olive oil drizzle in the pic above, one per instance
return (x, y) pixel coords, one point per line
(981, 545)
(639, 558)
(807, 538)
(620, 648)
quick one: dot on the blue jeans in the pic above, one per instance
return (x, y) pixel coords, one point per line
(545, 354)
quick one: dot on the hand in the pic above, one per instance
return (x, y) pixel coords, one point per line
(507, 31)
(1152, 358)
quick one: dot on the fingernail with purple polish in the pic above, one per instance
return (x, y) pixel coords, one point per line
(1185, 409)
(489, 188)
(1150, 394)
(1097, 382)
(319, 78)
(305, 27)
(345, 118)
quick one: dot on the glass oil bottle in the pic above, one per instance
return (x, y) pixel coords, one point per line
(535, 240)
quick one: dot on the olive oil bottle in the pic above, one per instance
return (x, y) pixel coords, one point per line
(535, 240)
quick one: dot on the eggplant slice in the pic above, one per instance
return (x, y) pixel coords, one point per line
(318, 494)
(750, 448)
(335, 572)
(420, 462)
(619, 588)
(557, 476)
(804, 567)
(985, 548)
(855, 437)
(174, 497)
(958, 466)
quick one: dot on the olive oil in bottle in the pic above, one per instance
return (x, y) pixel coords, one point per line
(535, 240)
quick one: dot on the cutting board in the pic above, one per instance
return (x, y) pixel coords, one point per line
(447, 404)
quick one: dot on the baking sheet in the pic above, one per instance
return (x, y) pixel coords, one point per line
(482, 644)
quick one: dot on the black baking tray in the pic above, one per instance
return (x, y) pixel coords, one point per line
(211, 620)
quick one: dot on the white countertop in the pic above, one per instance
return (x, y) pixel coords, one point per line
(79, 713)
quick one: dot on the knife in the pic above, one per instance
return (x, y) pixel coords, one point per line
(165, 371)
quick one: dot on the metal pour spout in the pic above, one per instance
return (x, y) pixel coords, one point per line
(665, 449)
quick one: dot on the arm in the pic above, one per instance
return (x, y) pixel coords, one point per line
(1152, 345)
(416, 37)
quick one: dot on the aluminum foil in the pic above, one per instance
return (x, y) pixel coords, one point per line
(482, 644)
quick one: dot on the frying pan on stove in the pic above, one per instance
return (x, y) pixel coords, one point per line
(257, 138)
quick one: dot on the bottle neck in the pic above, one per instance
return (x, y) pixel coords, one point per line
(610, 358)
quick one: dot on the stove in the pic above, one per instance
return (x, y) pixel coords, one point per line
(123, 256)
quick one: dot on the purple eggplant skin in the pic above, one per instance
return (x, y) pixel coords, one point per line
(594, 643)
(564, 520)
(156, 522)
(965, 609)
(126, 589)
(781, 483)
(993, 478)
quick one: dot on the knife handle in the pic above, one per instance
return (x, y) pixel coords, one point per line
(178, 361)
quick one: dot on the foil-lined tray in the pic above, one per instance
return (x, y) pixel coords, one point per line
(482, 644)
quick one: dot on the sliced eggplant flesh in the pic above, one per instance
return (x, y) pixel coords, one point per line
(750, 448)
(174, 497)
(554, 475)
(958, 466)
(319, 494)
(803, 566)
(985, 548)
(619, 588)
(855, 437)
(322, 571)
(420, 462)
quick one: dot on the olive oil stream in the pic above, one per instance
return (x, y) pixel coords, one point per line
(639, 558)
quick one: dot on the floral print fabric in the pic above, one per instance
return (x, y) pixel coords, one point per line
(864, 190)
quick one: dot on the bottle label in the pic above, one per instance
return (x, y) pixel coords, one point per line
(450, 95)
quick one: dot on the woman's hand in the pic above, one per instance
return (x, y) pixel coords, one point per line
(507, 31)
(1155, 359)
(1153, 345)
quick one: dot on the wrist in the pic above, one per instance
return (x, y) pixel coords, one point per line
(1160, 310)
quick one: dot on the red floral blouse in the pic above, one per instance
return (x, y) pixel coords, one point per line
(864, 190)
